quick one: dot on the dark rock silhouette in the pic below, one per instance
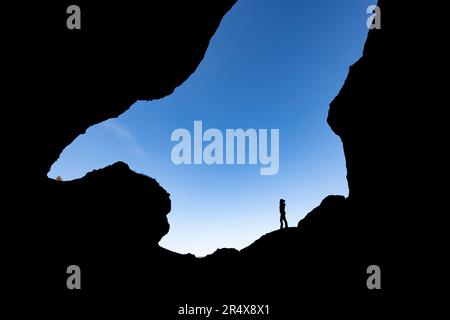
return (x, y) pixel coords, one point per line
(126, 208)
(68, 80)
(110, 221)
(328, 207)
(58, 83)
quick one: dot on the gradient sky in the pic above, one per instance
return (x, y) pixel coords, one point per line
(271, 64)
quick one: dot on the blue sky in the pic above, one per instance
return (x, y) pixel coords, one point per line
(271, 64)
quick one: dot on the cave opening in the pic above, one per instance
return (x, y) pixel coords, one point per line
(269, 65)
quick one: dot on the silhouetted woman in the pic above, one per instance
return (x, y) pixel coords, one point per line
(283, 214)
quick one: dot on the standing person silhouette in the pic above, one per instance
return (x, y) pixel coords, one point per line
(283, 214)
